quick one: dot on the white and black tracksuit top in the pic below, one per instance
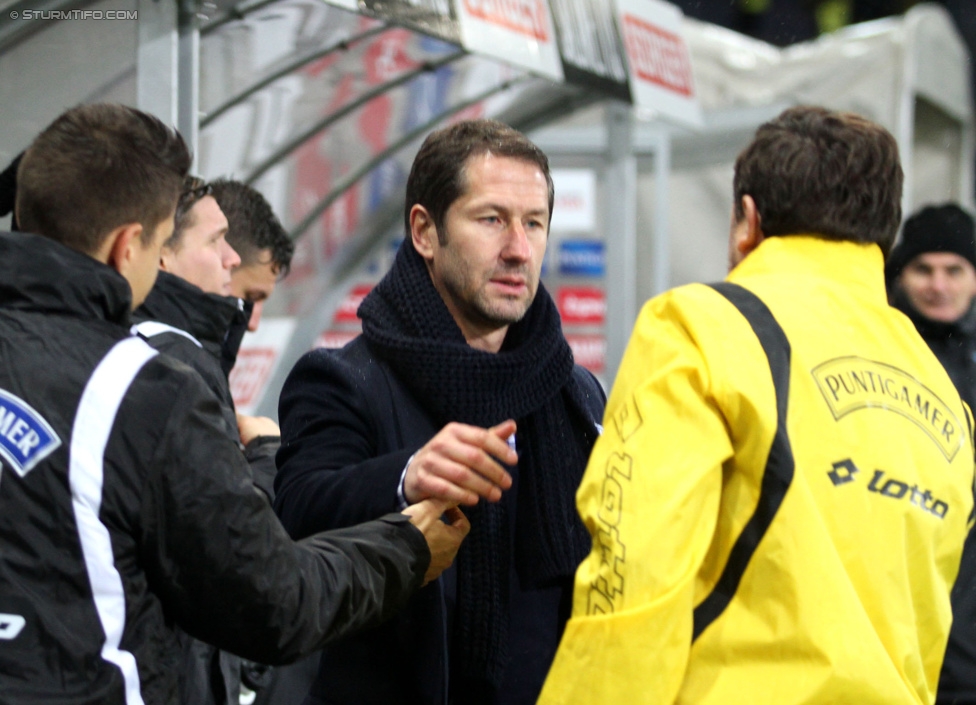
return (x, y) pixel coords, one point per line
(126, 510)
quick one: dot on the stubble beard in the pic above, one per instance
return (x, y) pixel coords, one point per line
(485, 310)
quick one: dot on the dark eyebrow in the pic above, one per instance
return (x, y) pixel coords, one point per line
(499, 207)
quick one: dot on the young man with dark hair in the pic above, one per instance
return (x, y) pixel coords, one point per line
(190, 317)
(257, 236)
(124, 508)
(460, 342)
(779, 502)
(189, 314)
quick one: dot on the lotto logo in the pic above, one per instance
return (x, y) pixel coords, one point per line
(845, 471)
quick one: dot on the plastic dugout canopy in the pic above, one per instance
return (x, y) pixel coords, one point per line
(322, 107)
(909, 73)
(318, 104)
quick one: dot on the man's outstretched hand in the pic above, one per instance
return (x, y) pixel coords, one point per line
(444, 537)
(460, 465)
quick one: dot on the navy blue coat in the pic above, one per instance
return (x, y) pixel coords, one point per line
(349, 426)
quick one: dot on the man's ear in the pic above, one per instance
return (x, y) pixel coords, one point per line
(749, 234)
(167, 258)
(423, 232)
(119, 249)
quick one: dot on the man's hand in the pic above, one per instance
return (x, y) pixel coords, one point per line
(443, 538)
(250, 427)
(458, 465)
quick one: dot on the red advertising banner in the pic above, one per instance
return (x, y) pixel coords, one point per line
(661, 74)
(257, 360)
(579, 305)
(335, 338)
(590, 351)
(517, 32)
(527, 17)
(250, 375)
(657, 56)
(346, 313)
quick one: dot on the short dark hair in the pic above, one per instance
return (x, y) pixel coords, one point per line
(832, 174)
(253, 225)
(194, 188)
(98, 167)
(437, 176)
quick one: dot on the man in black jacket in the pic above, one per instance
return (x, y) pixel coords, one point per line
(931, 277)
(460, 341)
(189, 316)
(258, 238)
(124, 508)
(189, 313)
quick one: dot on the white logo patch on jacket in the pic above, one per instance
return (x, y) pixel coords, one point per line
(26, 437)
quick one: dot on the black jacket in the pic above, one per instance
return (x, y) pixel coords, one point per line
(125, 510)
(349, 426)
(194, 327)
(954, 344)
(204, 330)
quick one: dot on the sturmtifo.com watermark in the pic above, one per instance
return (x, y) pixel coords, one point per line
(74, 15)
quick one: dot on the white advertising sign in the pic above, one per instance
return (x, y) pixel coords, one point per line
(519, 32)
(257, 360)
(574, 208)
(661, 78)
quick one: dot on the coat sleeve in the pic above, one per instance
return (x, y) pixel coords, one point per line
(260, 456)
(227, 572)
(331, 471)
(650, 499)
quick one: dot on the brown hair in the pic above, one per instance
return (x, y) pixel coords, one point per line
(832, 174)
(194, 188)
(98, 167)
(437, 176)
(253, 226)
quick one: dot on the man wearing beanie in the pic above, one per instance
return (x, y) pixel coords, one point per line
(931, 276)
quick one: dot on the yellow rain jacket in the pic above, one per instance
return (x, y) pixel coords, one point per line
(778, 503)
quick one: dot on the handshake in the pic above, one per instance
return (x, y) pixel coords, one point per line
(460, 465)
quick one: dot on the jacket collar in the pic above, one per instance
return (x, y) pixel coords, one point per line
(39, 274)
(859, 266)
(178, 303)
(928, 328)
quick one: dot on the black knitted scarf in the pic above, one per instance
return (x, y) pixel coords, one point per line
(530, 380)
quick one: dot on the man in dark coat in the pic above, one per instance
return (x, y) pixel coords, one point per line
(124, 507)
(931, 276)
(462, 387)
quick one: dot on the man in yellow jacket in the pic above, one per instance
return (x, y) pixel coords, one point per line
(779, 501)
